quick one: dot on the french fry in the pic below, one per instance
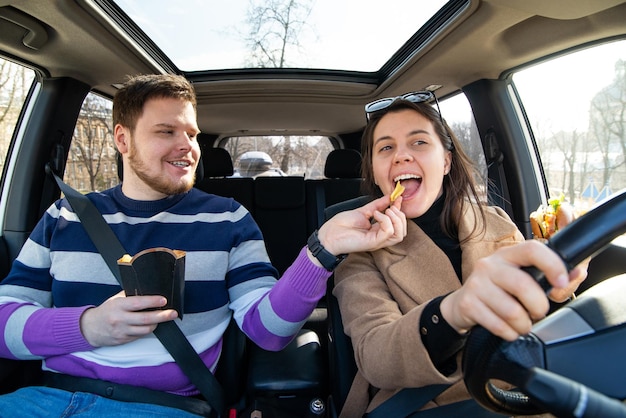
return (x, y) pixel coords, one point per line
(397, 192)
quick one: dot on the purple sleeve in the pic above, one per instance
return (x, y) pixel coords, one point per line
(276, 318)
(44, 331)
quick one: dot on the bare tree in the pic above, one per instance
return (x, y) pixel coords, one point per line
(608, 124)
(14, 83)
(569, 143)
(575, 158)
(9, 80)
(92, 143)
(468, 136)
(309, 158)
(237, 146)
(274, 29)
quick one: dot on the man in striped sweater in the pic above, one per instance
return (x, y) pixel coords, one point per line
(61, 304)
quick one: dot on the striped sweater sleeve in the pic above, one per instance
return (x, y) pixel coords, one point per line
(28, 330)
(274, 318)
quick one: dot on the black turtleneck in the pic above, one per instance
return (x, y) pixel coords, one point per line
(440, 340)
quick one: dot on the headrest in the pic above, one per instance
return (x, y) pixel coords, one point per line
(343, 164)
(217, 162)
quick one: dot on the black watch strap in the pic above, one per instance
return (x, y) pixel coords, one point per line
(326, 259)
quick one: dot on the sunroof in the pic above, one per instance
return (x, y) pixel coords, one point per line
(355, 35)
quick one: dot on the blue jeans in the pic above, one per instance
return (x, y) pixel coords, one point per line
(49, 402)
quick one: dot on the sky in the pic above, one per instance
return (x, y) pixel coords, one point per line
(361, 25)
(375, 32)
(557, 93)
(573, 80)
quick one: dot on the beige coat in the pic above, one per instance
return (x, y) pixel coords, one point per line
(381, 296)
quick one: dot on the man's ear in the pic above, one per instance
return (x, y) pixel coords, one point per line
(121, 135)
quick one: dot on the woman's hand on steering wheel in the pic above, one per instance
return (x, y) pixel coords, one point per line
(504, 299)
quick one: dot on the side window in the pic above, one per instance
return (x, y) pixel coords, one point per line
(91, 163)
(279, 155)
(576, 108)
(458, 114)
(15, 82)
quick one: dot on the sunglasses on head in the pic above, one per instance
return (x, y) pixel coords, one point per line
(424, 96)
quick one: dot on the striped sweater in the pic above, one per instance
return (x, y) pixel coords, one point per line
(59, 274)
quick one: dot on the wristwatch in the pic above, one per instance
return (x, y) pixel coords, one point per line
(326, 259)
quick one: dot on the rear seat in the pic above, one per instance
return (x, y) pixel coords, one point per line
(218, 166)
(277, 204)
(280, 212)
(287, 209)
(343, 181)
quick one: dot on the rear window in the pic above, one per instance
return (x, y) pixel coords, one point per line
(255, 156)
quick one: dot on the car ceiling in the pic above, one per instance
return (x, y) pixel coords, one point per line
(489, 38)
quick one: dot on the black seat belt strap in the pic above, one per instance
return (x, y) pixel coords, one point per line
(98, 230)
(407, 401)
(168, 333)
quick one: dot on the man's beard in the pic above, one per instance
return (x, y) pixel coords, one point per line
(160, 183)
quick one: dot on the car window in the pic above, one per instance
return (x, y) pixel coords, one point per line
(91, 163)
(457, 112)
(580, 125)
(279, 155)
(15, 82)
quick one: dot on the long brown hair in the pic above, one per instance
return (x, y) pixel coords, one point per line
(459, 186)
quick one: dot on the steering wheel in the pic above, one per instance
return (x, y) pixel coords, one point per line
(573, 363)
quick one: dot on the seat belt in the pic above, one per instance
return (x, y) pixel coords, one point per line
(494, 158)
(407, 401)
(168, 332)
